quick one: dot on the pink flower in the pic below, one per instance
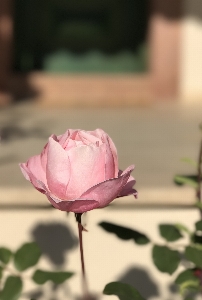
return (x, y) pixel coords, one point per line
(78, 171)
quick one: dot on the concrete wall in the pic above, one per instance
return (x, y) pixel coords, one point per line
(107, 258)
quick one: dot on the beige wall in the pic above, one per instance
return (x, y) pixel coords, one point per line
(107, 258)
(191, 53)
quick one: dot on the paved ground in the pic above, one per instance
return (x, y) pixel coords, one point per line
(154, 138)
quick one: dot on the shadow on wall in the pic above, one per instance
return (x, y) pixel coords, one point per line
(64, 241)
(140, 279)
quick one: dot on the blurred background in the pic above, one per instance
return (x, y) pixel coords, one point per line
(100, 52)
(130, 67)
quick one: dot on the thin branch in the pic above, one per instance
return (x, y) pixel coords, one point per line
(199, 175)
(84, 281)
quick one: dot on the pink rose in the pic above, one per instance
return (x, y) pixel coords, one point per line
(78, 171)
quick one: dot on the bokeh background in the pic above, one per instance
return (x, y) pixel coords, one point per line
(132, 68)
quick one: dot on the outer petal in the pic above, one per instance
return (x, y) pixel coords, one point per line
(128, 188)
(35, 166)
(87, 169)
(77, 206)
(57, 169)
(107, 191)
(29, 176)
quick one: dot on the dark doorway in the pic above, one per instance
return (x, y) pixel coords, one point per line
(81, 36)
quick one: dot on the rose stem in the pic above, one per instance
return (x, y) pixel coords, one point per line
(84, 281)
(198, 191)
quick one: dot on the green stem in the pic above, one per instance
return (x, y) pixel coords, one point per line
(199, 174)
(84, 281)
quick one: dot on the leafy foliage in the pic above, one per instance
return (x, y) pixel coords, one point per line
(170, 232)
(125, 233)
(182, 228)
(194, 254)
(189, 161)
(122, 290)
(165, 259)
(190, 180)
(1, 272)
(188, 281)
(12, 288)
(27, 256)
(187, 275)
(41, 277)
(199, 205)
(198, 225)
(5, 255)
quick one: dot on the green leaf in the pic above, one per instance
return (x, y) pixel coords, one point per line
(170, 232)
(165, 259)
(194, 254)
(182, 227)
(5, 255)
(196, 238)
(190, 180)
(187, 281)
(189, 161)
(199, 205)
(41, 277)
(187, 275)
(190, 285)
(198, 225)
(125, 233)
(27, 256)
(1, 272)
(12, 288)
(122, 290)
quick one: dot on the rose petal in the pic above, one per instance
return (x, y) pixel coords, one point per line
(34, 165)
(107, 191)
(57, 169)
(110, 168)
(76, 206)
(128, 189)
(30, 177)
(25, 171)
(87, 169)
(112, 158)
(69, 144)
(88, 138)
(66, 137)
(97, 133)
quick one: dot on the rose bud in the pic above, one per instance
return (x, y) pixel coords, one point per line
(78, 171)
